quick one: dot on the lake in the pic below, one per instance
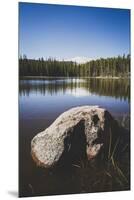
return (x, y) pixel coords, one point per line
(41, 101)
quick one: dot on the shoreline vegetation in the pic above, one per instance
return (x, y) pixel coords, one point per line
(62, 77)
(114, 67)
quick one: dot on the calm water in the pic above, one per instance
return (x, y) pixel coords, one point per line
(41, 101)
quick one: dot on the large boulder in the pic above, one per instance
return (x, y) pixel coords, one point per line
(79, 133)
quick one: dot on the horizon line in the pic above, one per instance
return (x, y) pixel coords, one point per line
(75, 57)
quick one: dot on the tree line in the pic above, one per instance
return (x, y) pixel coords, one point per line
(114, 66)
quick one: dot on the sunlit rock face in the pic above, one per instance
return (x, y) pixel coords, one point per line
(79, 133)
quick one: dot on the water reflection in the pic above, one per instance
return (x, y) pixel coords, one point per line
(117, 88)
(41, 102)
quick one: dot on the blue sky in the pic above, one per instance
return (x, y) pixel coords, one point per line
(65, 32)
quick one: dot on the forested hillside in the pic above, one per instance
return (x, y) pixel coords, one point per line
(116, 66)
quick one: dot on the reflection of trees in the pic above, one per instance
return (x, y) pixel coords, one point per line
(118, 88)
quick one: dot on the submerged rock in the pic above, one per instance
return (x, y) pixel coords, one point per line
(79, 133)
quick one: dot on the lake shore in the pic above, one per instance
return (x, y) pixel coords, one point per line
(61, 77)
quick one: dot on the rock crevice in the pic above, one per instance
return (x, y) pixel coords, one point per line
(78, 133)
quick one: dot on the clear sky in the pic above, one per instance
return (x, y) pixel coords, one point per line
(65, 32)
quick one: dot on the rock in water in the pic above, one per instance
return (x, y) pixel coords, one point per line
(78, 133)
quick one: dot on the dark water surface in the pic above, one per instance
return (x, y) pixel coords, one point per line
(41, 101)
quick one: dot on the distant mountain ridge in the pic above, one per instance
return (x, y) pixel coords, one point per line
(79, 60)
